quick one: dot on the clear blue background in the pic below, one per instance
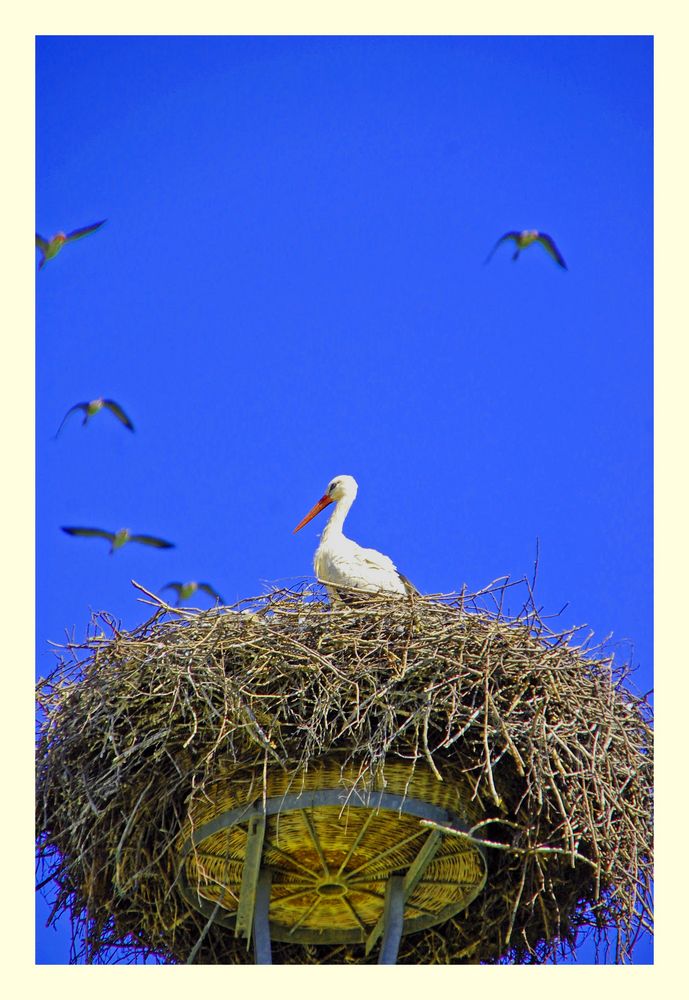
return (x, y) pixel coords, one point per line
(291, 286)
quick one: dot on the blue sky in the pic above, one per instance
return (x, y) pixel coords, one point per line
(290, 285)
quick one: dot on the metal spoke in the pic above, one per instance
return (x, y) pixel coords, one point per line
(359, 838)
(378, 877)
(370, 892)
(390, 850)
(413, 906)
(289, 858)
(292, 895)
(350, 906)
(316, 842)
(420, 909)
(305, 915)
(383, 877)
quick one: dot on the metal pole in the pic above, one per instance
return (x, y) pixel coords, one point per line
(411, 879)
(393, 920)
(262, 949)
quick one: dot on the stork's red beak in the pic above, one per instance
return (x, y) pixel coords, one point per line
(323, 502)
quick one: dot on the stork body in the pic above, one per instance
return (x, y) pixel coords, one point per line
(524, 239)
(119, 538)
(341, 563)
(95, 406)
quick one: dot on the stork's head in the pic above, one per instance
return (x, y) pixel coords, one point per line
(341, 486)
(338, 488)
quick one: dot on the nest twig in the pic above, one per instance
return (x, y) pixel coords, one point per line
(556, 747)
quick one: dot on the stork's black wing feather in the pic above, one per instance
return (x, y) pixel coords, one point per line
(77, 406)
(549, 244)
(77, 234)
(157, 543)
(119, 413)
(213, 593)
(513, 234)
(91, 533)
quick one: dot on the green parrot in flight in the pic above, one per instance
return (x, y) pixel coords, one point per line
(51, 248)
(524, 239)
(118, 538)
(185, 590)
(95, 406)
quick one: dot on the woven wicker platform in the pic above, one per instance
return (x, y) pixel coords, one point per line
(331, 843)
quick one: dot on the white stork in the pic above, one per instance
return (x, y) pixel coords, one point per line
(339, 561)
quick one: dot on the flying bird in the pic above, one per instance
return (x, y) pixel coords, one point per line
(185, 590)
(118, 538)
(524, 239)
(51, 248)
(95, 406)
(339, 561)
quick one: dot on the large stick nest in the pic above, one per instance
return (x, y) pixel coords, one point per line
(555, 747)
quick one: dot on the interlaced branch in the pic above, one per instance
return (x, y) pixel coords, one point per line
(555, 746)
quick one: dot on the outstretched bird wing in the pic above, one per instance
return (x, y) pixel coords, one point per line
(91, 533)
(177, 587)
(77, 406)
(158, 543)
(512, 235)
(549, 244)
(43, 246)
(213, 593)
(76, 234)
(119, 413)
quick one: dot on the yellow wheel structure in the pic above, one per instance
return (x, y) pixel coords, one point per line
(329, 857)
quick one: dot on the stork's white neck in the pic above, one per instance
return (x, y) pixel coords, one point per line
(336, 519)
